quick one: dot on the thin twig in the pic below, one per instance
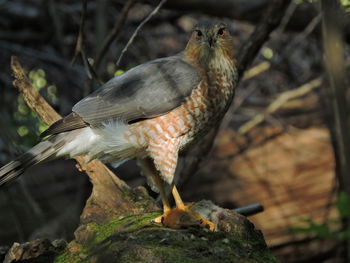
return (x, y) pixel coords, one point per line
(288, 15)
(279, 102)
(81, 35)
(266, 65)
(300, 37)
(57, 24)
(89, 68)
(261, 34)
(79, 48)
(155, 11)
(86, 64)
(113, 34)
(256, 70)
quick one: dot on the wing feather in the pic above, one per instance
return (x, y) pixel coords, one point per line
(146, 91)
(71, 122)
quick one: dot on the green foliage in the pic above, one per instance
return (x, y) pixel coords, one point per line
(118, 72)
(112, 70)
(29, 126)
(345, 3)
(267, 52)
(343, 205)
(331, 229)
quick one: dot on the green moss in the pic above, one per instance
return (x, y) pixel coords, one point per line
(68, 257)
(139, 199)
(135, 239)
(125, 224)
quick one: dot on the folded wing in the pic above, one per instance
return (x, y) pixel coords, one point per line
(146, 91)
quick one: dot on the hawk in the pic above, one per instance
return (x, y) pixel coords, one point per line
(151, 113)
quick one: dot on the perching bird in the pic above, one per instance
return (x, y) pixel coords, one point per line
(151, 112)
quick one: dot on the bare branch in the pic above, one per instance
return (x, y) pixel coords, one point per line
(81, 36)
(333, 43)
(113, 34)
(108, 196)
(89, 68)
(57, 25)
(31, 96)
(300, 37)
(261, 34)
(155, 11)
(279, 102)
(79, 48)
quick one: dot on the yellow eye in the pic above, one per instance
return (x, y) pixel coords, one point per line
(199, 34)
(221, 32)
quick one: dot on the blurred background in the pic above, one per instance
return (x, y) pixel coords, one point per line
(277, 145)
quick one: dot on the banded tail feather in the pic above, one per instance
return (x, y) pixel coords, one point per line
(39, 153)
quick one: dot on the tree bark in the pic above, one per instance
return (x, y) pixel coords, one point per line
(338, 98)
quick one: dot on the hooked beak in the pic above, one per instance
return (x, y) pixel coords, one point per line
(210, 41)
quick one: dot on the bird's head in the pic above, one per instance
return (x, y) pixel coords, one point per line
(209, 39)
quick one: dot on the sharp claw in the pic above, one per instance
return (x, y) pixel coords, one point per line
(182, 218)
(158, 220)
(207, 224)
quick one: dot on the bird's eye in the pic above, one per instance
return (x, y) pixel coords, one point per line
(221, 32)
(199, 34)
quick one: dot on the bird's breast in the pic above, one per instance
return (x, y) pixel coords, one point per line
(196, 116)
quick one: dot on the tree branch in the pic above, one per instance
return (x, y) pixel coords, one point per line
(113, 34)
(338, 98)
(281, 99)
(81, 37)
(261, 34)
(247, 53)
(110, 195)
(155, 11)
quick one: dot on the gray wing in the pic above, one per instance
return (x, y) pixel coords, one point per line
(146, 91)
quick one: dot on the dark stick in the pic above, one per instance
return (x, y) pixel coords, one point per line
(249, 210)
(81, 37)
(337, 96)
(89, 68)
(155, 11)
(247, 53)
(79, 48)
(261, 34)
(113, 34)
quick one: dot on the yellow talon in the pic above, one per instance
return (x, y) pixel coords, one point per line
(181, 218)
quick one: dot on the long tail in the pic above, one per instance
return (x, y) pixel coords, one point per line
(37, 154)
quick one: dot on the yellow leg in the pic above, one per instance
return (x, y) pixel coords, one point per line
(179, 217)
(182, 216)
(163, 195)
(179, 203)
(147, 166)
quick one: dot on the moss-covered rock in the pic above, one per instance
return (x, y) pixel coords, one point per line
(135, 239)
